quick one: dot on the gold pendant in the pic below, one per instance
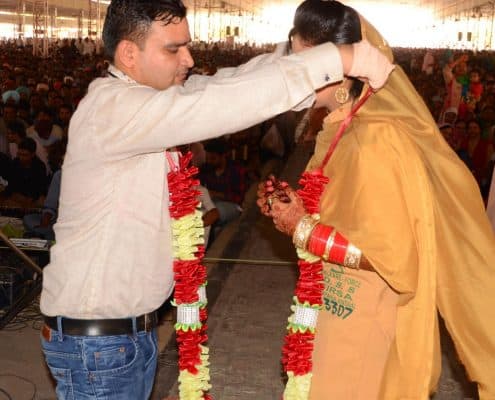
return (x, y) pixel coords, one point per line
(341, 95)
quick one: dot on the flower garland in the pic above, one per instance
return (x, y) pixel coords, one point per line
(298, 344)
(297, 350)
(190, 279)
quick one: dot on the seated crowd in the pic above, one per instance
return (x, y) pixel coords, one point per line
(39, 96)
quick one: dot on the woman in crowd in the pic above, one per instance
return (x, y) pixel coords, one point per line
(480, 151)
(399, 231)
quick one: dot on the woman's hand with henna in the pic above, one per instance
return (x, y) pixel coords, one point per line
(269, 190)
(287, 215)
(264, 191)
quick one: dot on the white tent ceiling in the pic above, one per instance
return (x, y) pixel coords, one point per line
(440, 7)
(403, 22)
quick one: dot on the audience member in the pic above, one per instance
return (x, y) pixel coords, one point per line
(453, 74)
(225, 180)
(447, 132)
(16, 133)
(480, 151)
(27, 182)
(44, 129)
(475, 89)
(9, 115)
(63, 117)
(41, 224)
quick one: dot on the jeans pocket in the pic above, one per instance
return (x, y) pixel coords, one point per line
(63, 377)
(110, 354)
(110, 358)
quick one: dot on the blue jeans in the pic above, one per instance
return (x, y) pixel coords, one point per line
(120, 367)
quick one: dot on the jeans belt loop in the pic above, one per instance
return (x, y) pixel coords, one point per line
(134, 327)
(147, 322)
(59, 329)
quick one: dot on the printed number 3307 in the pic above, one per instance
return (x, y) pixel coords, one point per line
(337, 309)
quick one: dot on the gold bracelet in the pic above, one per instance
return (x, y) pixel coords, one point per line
(328, 245)
(303, 230)
(352, 257)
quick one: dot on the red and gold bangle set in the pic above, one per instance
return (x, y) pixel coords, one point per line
(324, 241)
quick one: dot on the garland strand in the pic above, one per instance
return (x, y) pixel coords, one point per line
(190, 280)
(297, 351)
(298, 344)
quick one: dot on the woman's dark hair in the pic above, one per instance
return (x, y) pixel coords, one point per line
(132, 19)
(320, 21)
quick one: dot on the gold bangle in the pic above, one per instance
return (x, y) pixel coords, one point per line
(329, 245)
(303, 230)
(352, 257)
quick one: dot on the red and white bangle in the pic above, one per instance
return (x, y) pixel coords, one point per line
(324, 241)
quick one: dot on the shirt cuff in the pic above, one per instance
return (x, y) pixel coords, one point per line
(323, 63)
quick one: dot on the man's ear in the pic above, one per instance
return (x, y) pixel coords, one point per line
(126, 54)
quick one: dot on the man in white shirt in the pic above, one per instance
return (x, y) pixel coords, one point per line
(111, 267)
(44, 130)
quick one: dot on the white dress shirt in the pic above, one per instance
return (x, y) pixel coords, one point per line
(112, 256)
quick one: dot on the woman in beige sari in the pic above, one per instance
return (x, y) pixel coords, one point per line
(403, 198)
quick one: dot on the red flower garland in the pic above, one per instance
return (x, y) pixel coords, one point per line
(297, 351)
(189, 275)
(309, 286)
(298, 346)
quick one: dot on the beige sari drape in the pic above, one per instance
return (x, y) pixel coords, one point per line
(399, 193)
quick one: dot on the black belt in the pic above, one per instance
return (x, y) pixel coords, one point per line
(104, 327)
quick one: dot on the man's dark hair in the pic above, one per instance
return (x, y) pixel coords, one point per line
(132, 19)
(17, 127)
(28, 144)
(320, 21)
(45, 110)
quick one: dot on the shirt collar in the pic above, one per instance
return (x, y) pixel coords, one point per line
(117, 73)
